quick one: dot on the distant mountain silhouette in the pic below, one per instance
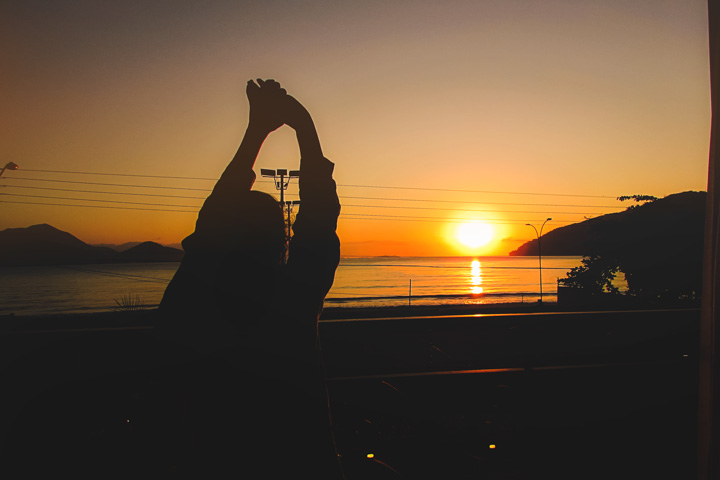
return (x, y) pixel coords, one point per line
(150, 252)
(118, 248)
(658, 245)
(46, 245)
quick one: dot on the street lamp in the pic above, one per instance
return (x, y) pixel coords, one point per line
(282, 179)
(9, 166)
(539, 234)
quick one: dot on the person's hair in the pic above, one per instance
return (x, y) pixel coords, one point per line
(264, 231)
(257, 255)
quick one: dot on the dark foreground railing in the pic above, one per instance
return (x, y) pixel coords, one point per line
(547, 395)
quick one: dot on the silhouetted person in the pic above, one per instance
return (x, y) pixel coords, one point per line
(248, 322)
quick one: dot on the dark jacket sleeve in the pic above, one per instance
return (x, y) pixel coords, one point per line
(218, 217)
(193, 287)
(315, 248)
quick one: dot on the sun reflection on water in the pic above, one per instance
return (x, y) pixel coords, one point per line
(475, 278)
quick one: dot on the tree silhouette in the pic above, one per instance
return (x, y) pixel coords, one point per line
(637, 199)
(594, 276)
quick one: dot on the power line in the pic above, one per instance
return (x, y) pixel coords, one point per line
(119, 174)
(342, 197)
(115, 184)
(462, 209)
(203, 198)
(395, 187)
(99, 200)
(358, 216)
(197, 206)
(476, 191)
(104, 193)
(362, 216)
(481, 202)
(347, 216)
(98, 206)
(107, 184)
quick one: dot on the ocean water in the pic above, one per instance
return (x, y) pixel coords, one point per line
(446, 280)
(358, 282)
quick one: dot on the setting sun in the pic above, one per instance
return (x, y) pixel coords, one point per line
(475, 234)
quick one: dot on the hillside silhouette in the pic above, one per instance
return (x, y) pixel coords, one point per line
(658, 245)
(118, 248)
(150, 252)
(43, 245)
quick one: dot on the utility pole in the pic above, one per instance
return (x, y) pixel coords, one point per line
(539, 234)
(282, 180)
(289, 205)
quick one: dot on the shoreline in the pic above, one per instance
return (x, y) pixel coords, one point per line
(145, 317)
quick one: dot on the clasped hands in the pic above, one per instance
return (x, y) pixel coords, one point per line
(271, 107)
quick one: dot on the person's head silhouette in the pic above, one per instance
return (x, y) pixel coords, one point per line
(256, 252)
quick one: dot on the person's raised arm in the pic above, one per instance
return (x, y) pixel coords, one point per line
(319, 203)
(298, 118)
(218, 220)
(265, 99)
(315, 247)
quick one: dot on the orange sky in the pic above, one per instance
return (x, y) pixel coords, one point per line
(562, 106)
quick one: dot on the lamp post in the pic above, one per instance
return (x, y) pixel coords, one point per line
(539, 234)
(9, 166)
(282, 179)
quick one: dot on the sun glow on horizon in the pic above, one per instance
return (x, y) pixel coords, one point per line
(475, 234)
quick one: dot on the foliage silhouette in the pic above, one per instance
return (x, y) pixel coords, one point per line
(595, 275)
(129, 303)
(639, 199)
